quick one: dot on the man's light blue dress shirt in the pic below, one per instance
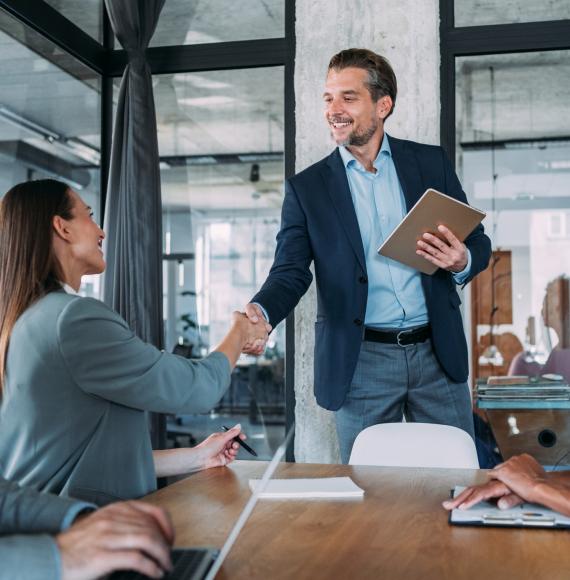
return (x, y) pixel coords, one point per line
(395, 293)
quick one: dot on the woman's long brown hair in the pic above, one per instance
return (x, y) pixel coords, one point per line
(28, 266)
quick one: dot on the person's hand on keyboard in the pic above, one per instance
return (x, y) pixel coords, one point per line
(127, 535)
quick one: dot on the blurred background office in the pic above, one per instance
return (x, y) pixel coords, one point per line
(238, 103)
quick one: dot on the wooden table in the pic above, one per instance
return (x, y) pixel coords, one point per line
(398, 531)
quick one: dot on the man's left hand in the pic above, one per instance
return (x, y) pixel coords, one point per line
(449, 253)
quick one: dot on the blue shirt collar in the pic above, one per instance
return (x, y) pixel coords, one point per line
(349, 159)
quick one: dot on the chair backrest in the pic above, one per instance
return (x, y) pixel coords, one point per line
(414, 445)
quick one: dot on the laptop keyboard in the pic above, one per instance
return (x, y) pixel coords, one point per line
(185, 562)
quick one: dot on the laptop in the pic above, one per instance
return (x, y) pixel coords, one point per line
(204, 563)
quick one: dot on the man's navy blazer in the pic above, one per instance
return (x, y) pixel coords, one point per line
(319, 224)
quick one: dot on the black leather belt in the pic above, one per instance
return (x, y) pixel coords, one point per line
(399, 337)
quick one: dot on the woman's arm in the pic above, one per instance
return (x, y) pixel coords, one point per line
(105, 358)
(217, 450)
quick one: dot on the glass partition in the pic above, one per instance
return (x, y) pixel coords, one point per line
(49, 118)
(513, 157)
(221, 144)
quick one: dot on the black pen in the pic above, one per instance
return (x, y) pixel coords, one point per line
(240, 442)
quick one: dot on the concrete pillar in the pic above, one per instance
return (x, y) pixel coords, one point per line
(407, 33)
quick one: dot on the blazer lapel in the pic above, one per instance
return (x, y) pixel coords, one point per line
(408, 170)
(410, 176)
(339, 191)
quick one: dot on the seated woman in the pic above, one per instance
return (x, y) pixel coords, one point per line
(75, 380)
(556, 315)
(519, 479)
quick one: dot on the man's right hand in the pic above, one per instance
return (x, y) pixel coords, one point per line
(255, 315)
(123, 536)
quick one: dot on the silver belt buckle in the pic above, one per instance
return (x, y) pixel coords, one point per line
(401, 333)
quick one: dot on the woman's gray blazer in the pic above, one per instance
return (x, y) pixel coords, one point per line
(77, 385)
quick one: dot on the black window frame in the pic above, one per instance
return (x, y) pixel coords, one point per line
(486, 39)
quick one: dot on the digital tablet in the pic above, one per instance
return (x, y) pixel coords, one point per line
(432, 209)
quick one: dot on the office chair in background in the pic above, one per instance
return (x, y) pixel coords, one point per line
(414, 445)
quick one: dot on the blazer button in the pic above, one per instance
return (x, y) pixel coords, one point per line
(358, 322)
(363, 280)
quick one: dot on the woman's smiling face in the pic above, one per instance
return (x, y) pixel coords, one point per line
(86, 237)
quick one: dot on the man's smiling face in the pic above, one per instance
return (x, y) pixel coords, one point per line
(352, 115)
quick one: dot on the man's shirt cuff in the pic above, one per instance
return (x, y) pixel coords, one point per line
(264, 312)
(460, 277)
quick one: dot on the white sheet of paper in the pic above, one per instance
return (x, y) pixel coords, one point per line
(323, 487)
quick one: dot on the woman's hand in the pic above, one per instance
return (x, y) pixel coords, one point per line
(215, 451)
(255, 334)
(218, 449)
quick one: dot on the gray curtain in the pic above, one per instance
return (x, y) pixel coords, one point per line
(133, 214)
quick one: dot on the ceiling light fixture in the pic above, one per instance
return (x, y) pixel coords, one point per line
(72, 145)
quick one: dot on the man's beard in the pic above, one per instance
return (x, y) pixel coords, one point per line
(356, 139)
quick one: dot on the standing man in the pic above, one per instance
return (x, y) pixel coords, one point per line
(389, 341)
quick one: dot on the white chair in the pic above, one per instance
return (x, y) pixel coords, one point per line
(414, 445)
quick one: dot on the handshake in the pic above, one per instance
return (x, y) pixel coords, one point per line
(253, 329)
